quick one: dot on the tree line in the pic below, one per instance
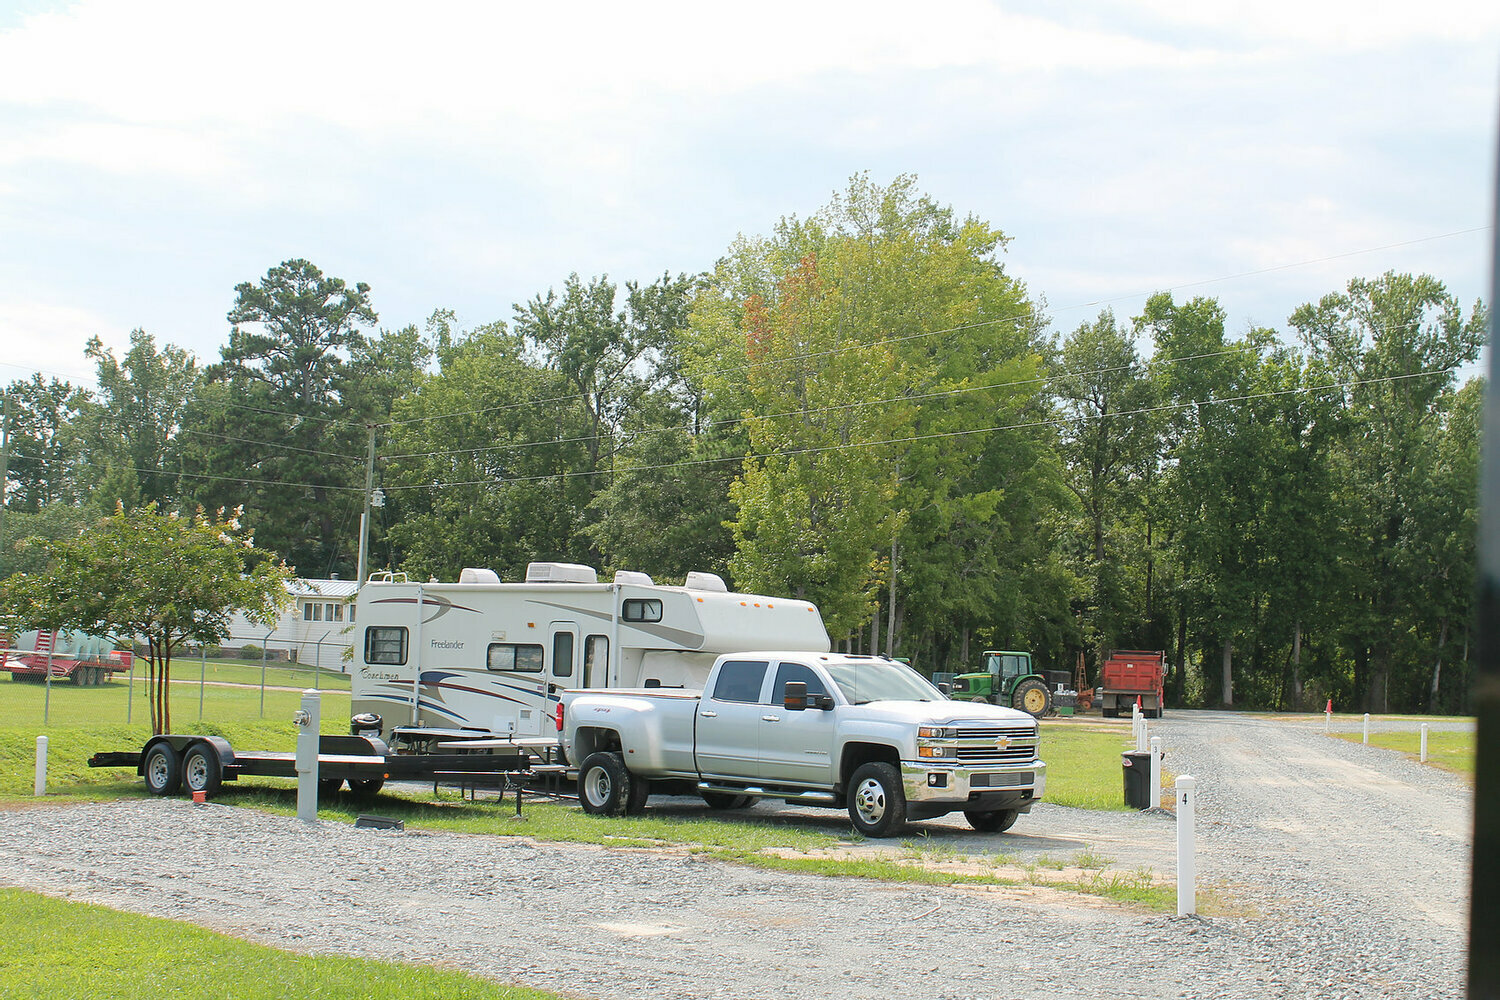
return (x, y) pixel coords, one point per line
(861, 408)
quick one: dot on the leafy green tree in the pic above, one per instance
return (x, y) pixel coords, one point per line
(44, 444)
(1397, 341)
(274, 426)
(155, 575)
(129, 429)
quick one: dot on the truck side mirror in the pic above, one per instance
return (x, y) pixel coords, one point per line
(794, 696)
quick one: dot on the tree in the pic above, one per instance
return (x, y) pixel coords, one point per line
(155, 575)
(44, 443)
(130, 428)
(274, 423)
(1397, 341)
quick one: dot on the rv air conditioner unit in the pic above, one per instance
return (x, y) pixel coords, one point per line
(472, 575)
(706, 581)
(549, 572)
(631, 576)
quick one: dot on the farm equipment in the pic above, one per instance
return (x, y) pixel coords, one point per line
(1129, 675)
(75, 657)
(1009, 679)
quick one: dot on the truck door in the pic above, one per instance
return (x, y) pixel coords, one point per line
(727, 733)
(796, 748)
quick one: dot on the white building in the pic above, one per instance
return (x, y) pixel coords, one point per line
(314, 630)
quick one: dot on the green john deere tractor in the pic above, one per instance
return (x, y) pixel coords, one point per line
(1008, 679)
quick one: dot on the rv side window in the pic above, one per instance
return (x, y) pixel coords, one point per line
(639, 609)
(520, 657)
(740, 680)
(562, 654)
(386, 645)
(595, 658)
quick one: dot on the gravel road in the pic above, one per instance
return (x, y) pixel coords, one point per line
(1350, 864)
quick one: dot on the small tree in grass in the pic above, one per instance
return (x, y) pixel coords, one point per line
(160, 576)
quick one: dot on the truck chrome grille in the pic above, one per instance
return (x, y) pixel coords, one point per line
(1014, 754)
(991, 744)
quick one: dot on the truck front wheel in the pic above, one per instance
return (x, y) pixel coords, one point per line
(877, 804)
(604, 784)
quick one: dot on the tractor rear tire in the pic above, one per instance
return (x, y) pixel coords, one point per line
(1032, 697)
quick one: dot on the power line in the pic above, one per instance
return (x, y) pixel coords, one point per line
(912, 439)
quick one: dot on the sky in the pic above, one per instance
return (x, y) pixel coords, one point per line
(469, 156)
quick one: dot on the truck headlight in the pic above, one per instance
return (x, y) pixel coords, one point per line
(935, 752)
(935, 733)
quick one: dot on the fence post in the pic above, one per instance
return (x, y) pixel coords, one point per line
(263, 675)
(308, 719)
(1187, 873)
(1155, 772)
(1367, 728)
(202, 677)
(41, 765)
(1424, 742)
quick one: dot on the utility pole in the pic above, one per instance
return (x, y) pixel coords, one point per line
(4, 473)
(364, 519)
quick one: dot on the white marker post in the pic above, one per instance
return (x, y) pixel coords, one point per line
(41, 765)
(308, 719)
(1155, 772)
(1424, 742)
(1367, 728)
(1187, 873)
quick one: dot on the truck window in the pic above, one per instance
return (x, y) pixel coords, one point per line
(595, 658)
(519, 657)
(639, 609)
(740, 680)
(562, 654)
(795, 672)
(385, 645)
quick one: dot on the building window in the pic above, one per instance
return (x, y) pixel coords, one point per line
(639, 609)
(328, 611)
(307, 612)
(519, 657)
(312, 612)
(338, 612)
(385, 645)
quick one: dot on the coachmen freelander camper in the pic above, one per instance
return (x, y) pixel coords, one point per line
(481, 657)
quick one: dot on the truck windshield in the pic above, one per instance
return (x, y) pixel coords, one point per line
(864, 681)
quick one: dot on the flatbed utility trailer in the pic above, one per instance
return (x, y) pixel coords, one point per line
(193, 763)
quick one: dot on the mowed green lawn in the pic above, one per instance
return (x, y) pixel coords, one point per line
(1446, 749)
(51, 948)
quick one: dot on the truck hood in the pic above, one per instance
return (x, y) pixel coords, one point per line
(941, 713)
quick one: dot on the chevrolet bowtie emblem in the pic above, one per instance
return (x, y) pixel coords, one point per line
(1003, 743)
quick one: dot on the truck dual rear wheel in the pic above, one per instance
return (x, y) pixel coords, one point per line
(877, 803)
(162, 770)
(604, 784)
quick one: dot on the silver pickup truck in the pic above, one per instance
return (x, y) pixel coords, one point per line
(827, 729)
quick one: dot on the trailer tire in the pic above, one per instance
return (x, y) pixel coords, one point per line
(723, 800)
(994, 821)
(877, 803)
(329, 787)
(604, 784)
(162, 770)
(201, 770)
(366, 786)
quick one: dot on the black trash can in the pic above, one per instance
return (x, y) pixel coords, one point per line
(1137, 767)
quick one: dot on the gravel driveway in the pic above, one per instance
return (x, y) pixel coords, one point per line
(1352, 864)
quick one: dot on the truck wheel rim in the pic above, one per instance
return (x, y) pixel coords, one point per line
(196, 772)
(869, 799)
(597, 786)
(158, 768)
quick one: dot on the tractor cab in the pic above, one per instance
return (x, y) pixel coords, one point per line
(1008, 678)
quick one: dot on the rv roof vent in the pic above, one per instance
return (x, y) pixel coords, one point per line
(706, 581)
(631, 576)
(548, 572)
(471, 574)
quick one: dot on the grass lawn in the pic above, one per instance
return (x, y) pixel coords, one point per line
(95, 953)
(1448, 750)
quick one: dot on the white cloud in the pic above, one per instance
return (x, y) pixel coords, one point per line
(50, 338)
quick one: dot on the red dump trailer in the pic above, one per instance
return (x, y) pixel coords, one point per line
(1129, 674)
